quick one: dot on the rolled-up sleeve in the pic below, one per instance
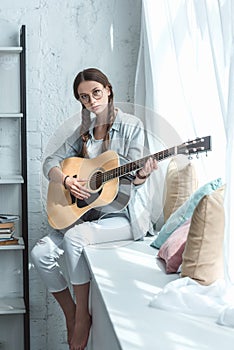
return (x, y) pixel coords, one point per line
(70, 148)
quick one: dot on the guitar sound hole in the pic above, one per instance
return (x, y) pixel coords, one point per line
(96, 181)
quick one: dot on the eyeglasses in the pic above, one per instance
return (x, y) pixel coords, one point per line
(97, 94)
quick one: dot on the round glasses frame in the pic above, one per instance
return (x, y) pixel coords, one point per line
(97, 94)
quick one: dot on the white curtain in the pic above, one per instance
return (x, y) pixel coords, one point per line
(185, 79)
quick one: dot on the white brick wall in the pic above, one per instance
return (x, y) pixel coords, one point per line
(64, 37)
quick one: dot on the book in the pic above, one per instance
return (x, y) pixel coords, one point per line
(6, 235)
(8, 218)
(5, 238)
(9, 241)
(7, 228)
(7, 225)
(7, 232)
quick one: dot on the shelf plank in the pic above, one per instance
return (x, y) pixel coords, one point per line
(11, 115)
(19, 246)
(11, 179)
(12, 306)
(11, 49)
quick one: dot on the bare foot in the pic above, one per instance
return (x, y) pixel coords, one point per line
(80, 336)
(70, 328)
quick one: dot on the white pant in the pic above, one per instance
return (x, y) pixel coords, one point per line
(48, 250)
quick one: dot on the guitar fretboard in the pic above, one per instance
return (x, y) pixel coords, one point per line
(138, 164)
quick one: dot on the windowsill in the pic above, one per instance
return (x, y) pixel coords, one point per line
(126, 276)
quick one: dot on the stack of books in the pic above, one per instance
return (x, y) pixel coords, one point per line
(7, 229)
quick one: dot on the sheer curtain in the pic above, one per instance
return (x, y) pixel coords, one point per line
(185, 80)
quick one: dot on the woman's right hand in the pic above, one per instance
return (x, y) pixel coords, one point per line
(77, 187)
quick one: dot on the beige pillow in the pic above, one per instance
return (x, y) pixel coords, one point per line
(203, 253)
(180, 183)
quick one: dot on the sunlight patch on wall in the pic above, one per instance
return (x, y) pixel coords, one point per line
(112, 37)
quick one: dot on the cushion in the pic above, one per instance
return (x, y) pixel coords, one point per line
(203, 254)
(171, 251)
(180, 182)
(184, 212)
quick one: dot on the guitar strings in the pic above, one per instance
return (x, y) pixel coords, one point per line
(105, 176)
(122, 170)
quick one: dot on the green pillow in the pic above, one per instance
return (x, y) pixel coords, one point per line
(184, 212)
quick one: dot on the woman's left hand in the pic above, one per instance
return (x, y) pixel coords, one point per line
(150, 165)
(142, 174)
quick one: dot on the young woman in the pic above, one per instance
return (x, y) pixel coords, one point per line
(103, 127)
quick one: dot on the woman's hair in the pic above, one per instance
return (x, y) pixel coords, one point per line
(93, 74)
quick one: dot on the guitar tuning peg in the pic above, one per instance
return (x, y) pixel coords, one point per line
(190, 157)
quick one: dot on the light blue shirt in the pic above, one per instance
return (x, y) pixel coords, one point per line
(126, 139)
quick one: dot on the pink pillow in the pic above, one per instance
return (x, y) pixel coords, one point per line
(171, 251)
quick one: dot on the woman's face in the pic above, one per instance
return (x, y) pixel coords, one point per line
(94, 96)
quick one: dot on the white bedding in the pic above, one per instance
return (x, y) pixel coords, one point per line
(188, 296)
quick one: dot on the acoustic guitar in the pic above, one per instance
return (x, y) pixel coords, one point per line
(108, 182)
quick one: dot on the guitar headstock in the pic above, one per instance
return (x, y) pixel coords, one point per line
(200, 144)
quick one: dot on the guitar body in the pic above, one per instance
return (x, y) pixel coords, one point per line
(63, 209)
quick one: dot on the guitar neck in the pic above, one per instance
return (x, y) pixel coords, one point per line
(137, 164)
